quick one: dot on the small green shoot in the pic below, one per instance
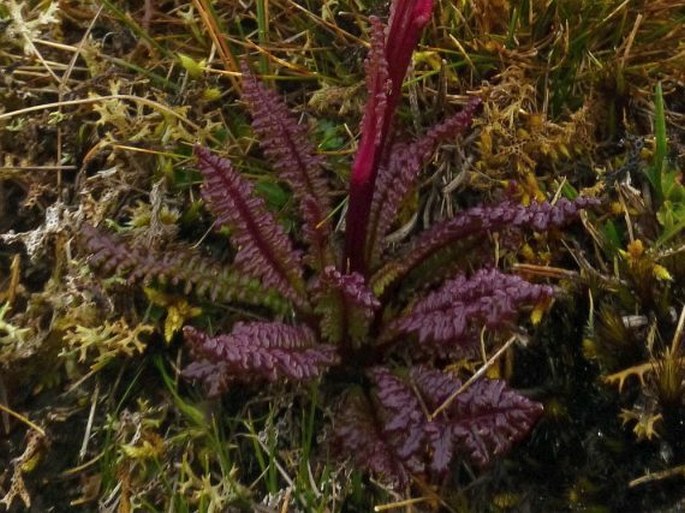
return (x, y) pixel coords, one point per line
(666, 181)
(656, 170)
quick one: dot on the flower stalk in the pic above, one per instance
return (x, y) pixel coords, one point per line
(386, 69)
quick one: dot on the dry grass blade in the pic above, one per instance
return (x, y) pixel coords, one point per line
(206, 12)
(84, 101)
(475, 377)
(23, 419)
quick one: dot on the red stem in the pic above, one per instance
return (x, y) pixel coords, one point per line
(407, 19)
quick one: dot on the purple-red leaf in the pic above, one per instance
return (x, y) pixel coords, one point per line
(484, 421)
(478, 222)
(455, 312)
(264, 250)
(396, 179)
(357, 434)
(403, 420)
(377, 87)
(177, 265)
(487, 419)
(346, 305)
(256, 351)
(435, 387)
(374, 125)
(398, 438)
(215, 376)
(285, 143)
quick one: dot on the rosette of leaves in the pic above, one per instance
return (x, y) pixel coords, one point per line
(367, 305)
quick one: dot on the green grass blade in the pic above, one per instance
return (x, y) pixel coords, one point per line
(263, 34)
(655, 173)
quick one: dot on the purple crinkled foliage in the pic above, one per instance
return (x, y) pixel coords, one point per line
(393, 435)
(256, 351)
(285, 143)
(264, 250)
(352, 286)
(399, 174)
(451, 317)
(345, 303)
(358, 434)
(478, 222)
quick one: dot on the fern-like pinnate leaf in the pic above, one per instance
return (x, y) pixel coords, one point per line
(345, 304)
(487, 419)
(285, 144)
(358, 434)
(451, 317)
(264, 250)
(256, 351)
(399, 176)
(403, 419)
(377, 84)
(180, 265)
(482, 422)
(393, 435)
(477, 222)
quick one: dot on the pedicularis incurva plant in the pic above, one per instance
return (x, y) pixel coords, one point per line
(389, 320)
